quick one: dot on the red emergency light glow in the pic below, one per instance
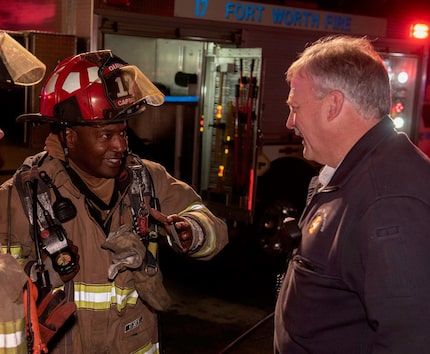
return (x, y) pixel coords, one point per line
(399, 107)
(202, 123)
(419, 31)
(251, 189)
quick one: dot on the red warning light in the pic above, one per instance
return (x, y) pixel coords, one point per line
(398, 107)
(419, 31)
(202, 123)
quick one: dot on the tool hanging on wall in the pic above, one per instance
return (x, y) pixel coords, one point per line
(248, 111)
(219, 127)
(246, 91)
(230, 181)
(225, 166)
(238, 98)
(223, 124)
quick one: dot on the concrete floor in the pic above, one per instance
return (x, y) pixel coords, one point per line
(221, 306)
(197, 324)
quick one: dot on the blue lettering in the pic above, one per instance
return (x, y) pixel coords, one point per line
(201, 7)
(239, 12)
(249, 13)
(295, 18)
(229, 9)
(328, 21)
(347, 23)
(311, 19)
(337, 23)
(277, 15)
(244, 12)
(260, 10)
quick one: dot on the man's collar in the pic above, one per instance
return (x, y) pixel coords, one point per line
(363, 149)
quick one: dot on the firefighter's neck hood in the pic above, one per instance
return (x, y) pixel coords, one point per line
(101, 187)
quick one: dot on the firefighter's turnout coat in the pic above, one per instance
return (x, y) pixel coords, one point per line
(12, 318)
(111, 317)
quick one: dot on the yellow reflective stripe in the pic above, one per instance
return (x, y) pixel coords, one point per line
(149, 349)
(191, 207)
(12, 334)
(103, 296)
(21, 349)
(15, 251)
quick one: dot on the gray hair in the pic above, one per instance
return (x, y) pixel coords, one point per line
(350, 65)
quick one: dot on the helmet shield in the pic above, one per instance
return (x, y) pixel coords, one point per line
(94, 88)
(127, 86)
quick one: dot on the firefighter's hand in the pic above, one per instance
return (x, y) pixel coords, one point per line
(12, 279)
(177, 226)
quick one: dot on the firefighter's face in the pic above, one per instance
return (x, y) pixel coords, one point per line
(1, 134)
(306, 117)
(98, 150)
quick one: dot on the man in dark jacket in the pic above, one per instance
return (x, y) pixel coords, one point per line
(358, 282)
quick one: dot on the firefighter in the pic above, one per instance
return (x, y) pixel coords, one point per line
(93, 212)
(12, 320)
(28, 318)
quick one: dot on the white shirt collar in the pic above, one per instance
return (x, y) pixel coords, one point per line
(325, 175)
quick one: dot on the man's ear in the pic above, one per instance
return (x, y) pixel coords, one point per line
(71, 138)
(335, 100)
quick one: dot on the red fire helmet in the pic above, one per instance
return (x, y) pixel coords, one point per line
(94, 88)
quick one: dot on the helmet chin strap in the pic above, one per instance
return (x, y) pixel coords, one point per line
(63, 141)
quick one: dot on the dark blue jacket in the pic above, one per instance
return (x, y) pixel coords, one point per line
(360, 280)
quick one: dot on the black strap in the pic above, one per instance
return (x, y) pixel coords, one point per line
(78, 182)
(9, 219)
(142, 196)
(93, 200)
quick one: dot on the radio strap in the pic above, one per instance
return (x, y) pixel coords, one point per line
(142, 197)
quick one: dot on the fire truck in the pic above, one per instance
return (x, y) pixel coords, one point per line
(221, 65)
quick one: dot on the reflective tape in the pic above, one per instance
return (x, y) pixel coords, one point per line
(149, 349)
(103, 296)
(12, 336)
(15, 251)
(207, 226)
